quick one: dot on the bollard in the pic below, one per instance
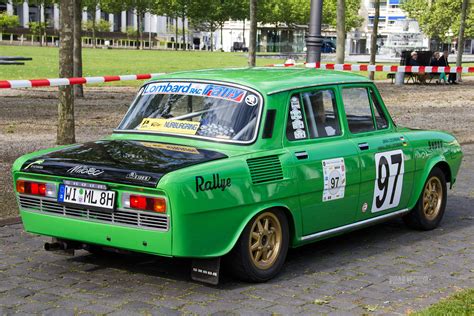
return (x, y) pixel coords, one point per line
(399, 78)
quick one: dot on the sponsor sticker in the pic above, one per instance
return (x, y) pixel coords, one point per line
(138, 177)
(170, 147)
(251, 100)
(35, 164)
(169, 126)
(296, 119)
(197, 89)
(334, 172)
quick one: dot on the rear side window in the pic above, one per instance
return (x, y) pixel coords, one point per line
(313, 115)
(358, 110)
(380, 118)
(321, 113)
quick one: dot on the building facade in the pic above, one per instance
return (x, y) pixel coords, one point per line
(161, 27)
(396, 31)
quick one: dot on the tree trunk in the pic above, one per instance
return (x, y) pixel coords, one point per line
(78, 88)
(212, 38)
(65, 133)
(253, 33)
(183, 17)
(139, 31)
(341, 31)
(373, 39)
(44, 25)
(176, 31)
(221, 39)
(94, 41)
(243, 34)
(461, 36)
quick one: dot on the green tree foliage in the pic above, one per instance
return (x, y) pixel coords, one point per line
(174, 9)
(36, 28)
(440, 19)
(296, 12)
(131, 32)
(353, 19)
(210, 15)
(99, 26)
(289, 12)
(8, 21)
(91, 7)
(139, 6)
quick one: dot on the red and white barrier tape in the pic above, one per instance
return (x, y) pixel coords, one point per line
(7, 84)
(386, 68)
(12, 84)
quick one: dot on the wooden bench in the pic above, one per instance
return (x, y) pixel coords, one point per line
(410, 75)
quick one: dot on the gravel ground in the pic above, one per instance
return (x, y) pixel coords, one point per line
(28, 118)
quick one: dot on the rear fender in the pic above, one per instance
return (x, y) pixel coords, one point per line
(292, 216)
(437, 161)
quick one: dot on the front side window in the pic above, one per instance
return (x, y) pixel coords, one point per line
(358, 110)
(204, 110)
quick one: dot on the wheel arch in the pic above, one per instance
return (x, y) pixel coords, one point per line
(438, 162)
(444, 166)
(293, 229)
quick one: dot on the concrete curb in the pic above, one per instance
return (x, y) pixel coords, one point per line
(10, 221)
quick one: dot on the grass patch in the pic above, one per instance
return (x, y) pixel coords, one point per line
(461, 304)
(99, 62)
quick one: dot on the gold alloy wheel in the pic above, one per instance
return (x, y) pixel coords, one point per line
(265, 240)
(432, 198)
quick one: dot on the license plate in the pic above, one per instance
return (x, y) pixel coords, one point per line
(87, 197)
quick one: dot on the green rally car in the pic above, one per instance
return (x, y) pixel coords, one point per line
(240, 164)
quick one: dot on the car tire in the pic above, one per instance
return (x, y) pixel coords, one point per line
(429, 210)
(261, 249)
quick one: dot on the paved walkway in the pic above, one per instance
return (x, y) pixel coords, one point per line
(384, 269)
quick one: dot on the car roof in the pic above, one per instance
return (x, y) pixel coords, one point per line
(268, 80)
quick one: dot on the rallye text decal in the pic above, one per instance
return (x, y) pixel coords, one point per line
(169, 126)
(334, 172)
(197, 89)
(389, 170)
(205, 184)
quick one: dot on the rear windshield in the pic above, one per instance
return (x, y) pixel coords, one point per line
(194, 109)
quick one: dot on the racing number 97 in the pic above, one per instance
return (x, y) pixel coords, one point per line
(389, 180)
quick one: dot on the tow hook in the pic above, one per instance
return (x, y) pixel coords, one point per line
(62, 246)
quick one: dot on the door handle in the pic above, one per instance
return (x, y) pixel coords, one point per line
(363, 146)
(300, 155)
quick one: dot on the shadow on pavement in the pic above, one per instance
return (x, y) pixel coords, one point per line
(338, 251)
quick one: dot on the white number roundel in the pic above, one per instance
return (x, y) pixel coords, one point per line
(389, 170)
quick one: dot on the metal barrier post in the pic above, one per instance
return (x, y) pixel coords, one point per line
(399, 78)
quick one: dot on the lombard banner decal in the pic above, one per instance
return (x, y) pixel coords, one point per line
(197, 89)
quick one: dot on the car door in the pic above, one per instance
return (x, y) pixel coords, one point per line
(325, 161)
(386, 157)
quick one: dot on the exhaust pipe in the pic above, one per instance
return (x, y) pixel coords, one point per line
(61, 247)
(53, 246)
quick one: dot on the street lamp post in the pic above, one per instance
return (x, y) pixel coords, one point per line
(314, 40)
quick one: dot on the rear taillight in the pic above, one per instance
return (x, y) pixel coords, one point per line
(36, 188)
(145, 203)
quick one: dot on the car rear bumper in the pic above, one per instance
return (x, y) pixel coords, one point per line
(93, 229)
